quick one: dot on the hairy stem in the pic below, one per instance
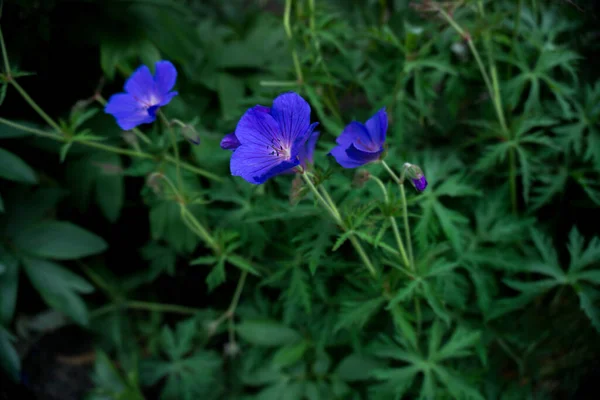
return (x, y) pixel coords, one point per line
(338, 219)
(167, 124)
(288, 30)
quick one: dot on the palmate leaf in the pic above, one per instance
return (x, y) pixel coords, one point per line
(460, 344)
(589, 299)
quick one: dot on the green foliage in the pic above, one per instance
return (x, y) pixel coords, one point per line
(485, 285)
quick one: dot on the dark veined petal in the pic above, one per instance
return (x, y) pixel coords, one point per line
(165, 76)
(377, 126)
(357, 134)
(128, 112)
(256, 164)
(142, 87)
(230, 142)
(351, 157)
(258, 128)
(311, 143)
(292, 114)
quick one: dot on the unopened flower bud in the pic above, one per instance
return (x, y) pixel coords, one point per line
(415, 174)
(360, 178)
(189, 132)
(130, 138)
(231, 349)
(153, 182)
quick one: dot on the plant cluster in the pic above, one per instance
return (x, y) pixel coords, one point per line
(305, 269)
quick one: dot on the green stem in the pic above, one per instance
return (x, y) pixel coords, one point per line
(393, 222)
(400, 182)
(512, 178)
(165, 121)
(195, 226)
(60, 138)
(407, 226)
(338, 219)
(142, 305)
(5, 56)
(334, 213)
(34, 105)
(288, 30)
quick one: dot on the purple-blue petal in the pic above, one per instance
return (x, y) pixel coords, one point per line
(292, 114)
(142, 87)
(377, 126)
(258, 128)
(420, 183)
(165, 76)
(311, 143)
(255, 164)
(230, 142)
(128, 112)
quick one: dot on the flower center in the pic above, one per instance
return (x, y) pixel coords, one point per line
(279, 150)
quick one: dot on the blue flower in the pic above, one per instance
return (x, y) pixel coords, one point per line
(359, 143)
(271, 140)
(144, 95)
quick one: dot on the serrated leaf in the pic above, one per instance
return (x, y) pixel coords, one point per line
(589, 300)
(461, 340)
(358, 367)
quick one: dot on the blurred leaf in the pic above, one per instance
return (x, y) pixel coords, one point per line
(15, 169)
(9, 284)
(59, 287)
(357, 367)
(59, 241)
(266, 333)
(9, 358)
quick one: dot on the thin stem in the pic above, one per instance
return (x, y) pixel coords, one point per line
(393, 222)
(288, 30)
(407, 226)
(238, 292)
(192, 222)
(336, 215)
(400, 182)
(142, 305)
(175, 150)
(5, 56)
(512, 355)
(34, 105)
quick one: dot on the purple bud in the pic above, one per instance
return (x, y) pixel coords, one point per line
(230, 142)
(416, 176)
(420, 183)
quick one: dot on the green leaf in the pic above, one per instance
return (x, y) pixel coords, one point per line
(59, 287)
(457, 386)
(15, 169)
(580, 257)
(462, 340)
(589, 300)
(400, 378)
(110, 186)
(435, 303)
(59, 241)
(290, 354)
(242, 264)
(9, 358)
(267, 333)
(358, 367)
(9, 284)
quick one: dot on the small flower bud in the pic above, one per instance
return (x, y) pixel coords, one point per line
(211, 327)
(415, 174)
(231, 349)
(130, 138)
(153, 182)
(361, 178)
(189, 132)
